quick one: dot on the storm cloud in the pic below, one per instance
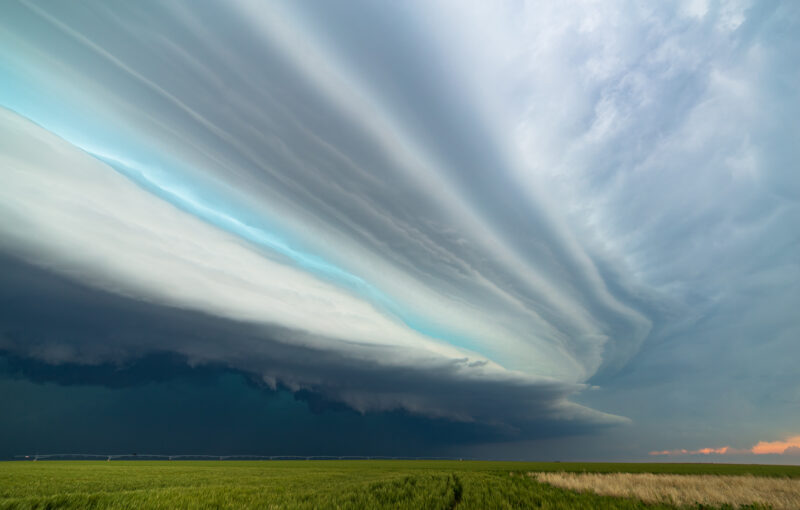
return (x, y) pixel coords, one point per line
(472, 213)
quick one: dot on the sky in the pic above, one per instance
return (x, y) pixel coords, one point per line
(514, 230)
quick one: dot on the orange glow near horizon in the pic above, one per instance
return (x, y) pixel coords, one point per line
(701, 451)
(722, 451)
(766, 447)
(789, 446)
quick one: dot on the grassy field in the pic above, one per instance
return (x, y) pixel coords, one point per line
(710, 490)
(321, 484)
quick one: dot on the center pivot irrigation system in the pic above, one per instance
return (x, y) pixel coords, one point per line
(151, 456)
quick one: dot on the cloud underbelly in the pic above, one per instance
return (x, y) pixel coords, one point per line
(71, 214)
(244, 176)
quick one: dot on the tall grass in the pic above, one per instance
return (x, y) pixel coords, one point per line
(736, 491)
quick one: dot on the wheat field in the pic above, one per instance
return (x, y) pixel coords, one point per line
(737, 491)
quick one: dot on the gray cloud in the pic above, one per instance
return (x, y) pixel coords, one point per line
(64, 324)
(422, 225)
(460, 207)
(663, 131)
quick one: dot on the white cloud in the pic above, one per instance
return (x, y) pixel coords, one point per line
(65, 210)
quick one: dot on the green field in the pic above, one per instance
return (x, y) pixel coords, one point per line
(318, 484)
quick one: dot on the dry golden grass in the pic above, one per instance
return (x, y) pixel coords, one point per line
(779, 493)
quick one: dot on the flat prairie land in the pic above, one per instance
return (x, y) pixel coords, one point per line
(353, 484)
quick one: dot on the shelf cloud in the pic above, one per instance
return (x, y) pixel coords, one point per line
(512, 214)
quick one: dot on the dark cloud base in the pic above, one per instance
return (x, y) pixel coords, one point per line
(159, 404)
(93, 371)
